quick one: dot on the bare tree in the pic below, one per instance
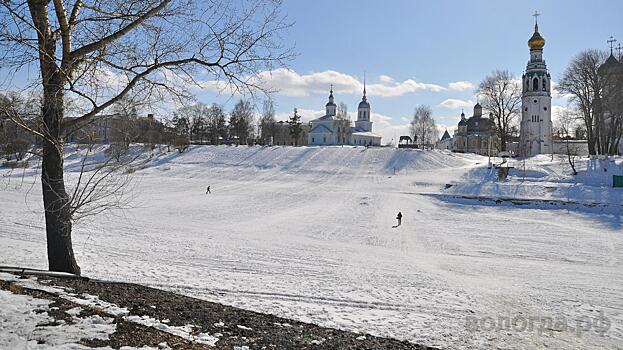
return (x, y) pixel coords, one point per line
(241, 121)
(267, 122)
(101, 51)
(14, 141)
(567, 122)
(501, 95)
(295, 127)
(217, 124)
(196, 117)
(342, 111)
(582, 82)
(101, 186)
(342, 123)
(181, 125)
(422, 127)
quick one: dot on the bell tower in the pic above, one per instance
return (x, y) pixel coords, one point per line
(536, 100)
(331, 106)
(363, 112)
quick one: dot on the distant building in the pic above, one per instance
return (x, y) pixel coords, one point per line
(330, 130)
(282, 135)
(612, 71)
(106, 129)
(476, 134)
(445, 142)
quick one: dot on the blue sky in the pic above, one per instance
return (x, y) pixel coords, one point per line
(423, 52)
(429, 42)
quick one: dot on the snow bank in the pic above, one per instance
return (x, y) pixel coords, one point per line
(541, 178)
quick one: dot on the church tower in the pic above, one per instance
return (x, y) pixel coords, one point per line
(331, 106)
(536, 101)
(363, 112)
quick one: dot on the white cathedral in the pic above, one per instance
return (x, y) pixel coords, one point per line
(536, 102)
(330, 130)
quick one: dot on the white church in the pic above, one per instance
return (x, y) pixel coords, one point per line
(330, 130)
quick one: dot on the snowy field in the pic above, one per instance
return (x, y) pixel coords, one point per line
(306, 233)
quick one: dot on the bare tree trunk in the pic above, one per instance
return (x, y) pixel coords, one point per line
(55, 199)
(571, 159)
(57, 212)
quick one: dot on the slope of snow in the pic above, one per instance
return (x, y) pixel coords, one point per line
(544, 178)
(306, 233)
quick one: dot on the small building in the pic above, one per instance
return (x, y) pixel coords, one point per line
(445, 142)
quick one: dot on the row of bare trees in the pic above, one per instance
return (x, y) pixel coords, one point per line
(15, 142)
(211, 124)
(100, 52)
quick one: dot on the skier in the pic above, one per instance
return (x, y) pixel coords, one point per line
(399, 218)
(208, 190)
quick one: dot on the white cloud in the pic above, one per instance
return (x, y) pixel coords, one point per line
(401, 88)
(454, 103)
(386, 79)
(461, 85)
(290, 83)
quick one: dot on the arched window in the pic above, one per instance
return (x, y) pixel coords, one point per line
(535, 84)
(528, 84)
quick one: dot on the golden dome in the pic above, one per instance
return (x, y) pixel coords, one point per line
(536, 41)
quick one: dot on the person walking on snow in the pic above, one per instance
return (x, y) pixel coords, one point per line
(399, 218)
(208, 190)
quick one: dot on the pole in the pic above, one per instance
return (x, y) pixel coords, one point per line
(489, 151)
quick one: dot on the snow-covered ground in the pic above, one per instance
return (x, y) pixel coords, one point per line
(26, 324)
(547, 178)
(307, 233)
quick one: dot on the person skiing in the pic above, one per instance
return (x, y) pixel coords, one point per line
(208, 190)
(399, 218)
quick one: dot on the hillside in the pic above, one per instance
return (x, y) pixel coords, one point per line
(306, 233)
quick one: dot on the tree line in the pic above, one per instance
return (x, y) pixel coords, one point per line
(198, 123)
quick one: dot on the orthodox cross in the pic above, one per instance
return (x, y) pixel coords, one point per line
(619, 49)
(611, 41)
(536, 17)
